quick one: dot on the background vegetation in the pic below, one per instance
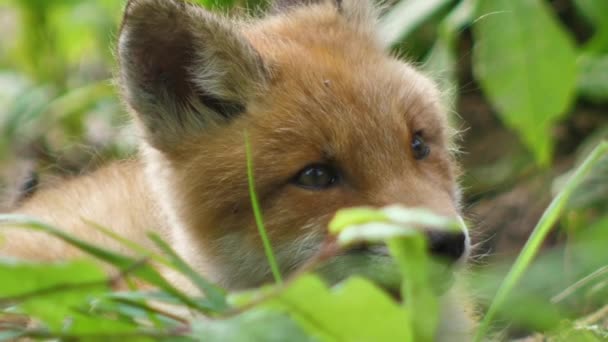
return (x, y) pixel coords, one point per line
(528, 79)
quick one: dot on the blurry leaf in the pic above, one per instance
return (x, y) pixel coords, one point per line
(593, 77)
(440, 65)
(596, 12)
(54, 292)
(254, 325)
(440, 62)
(594, 190)
(405, 16)
(345, 218)
(22, 113)
(531, 91)
(355, 310)
(410, 253)
(10, 335)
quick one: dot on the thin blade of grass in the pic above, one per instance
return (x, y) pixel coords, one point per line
(213, 293)
(146, 272)
(116, 259)
(546, 222)
(258, 216)
(135, 247)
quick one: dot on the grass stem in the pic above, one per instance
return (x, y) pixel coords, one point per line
(546, 222)
(257, 212)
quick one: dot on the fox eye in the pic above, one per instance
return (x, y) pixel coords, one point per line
(420, 149)
(316, 177)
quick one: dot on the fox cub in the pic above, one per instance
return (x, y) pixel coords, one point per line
(333, 120)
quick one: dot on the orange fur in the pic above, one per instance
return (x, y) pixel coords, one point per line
(311, 84)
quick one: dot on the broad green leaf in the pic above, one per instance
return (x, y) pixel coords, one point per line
(593, 77)
(254, 325)
(355, 310)
(20, 278)
(526, 65)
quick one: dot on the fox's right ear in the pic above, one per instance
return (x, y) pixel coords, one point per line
(183, 68)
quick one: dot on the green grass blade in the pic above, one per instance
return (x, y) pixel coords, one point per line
(116, 259)
(258, 216)
(538, 235)
(214, 294)
(134, 246)
(145, 271)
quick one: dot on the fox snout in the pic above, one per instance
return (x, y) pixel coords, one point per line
(449, 247)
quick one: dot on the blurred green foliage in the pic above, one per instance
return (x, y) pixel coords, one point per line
(58, 101)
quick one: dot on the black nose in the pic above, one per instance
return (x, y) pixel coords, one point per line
(448, 246)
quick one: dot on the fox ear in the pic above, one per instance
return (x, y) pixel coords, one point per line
(183, 68)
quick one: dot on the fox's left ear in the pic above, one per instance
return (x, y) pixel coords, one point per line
(183, 68)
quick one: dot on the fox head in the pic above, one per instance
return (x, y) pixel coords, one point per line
(332, 118)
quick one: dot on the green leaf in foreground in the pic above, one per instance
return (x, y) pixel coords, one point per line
(529, 89)
(403, 230)
(364, 224)
(58, 294)
(355, 310)
(411, 256)
(253, 325)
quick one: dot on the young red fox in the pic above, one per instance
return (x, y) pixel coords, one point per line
(333, 119)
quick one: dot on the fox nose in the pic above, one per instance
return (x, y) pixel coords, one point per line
(449, 247)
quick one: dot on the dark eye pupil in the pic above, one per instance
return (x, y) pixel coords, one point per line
(419, 147)
(316, 177)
